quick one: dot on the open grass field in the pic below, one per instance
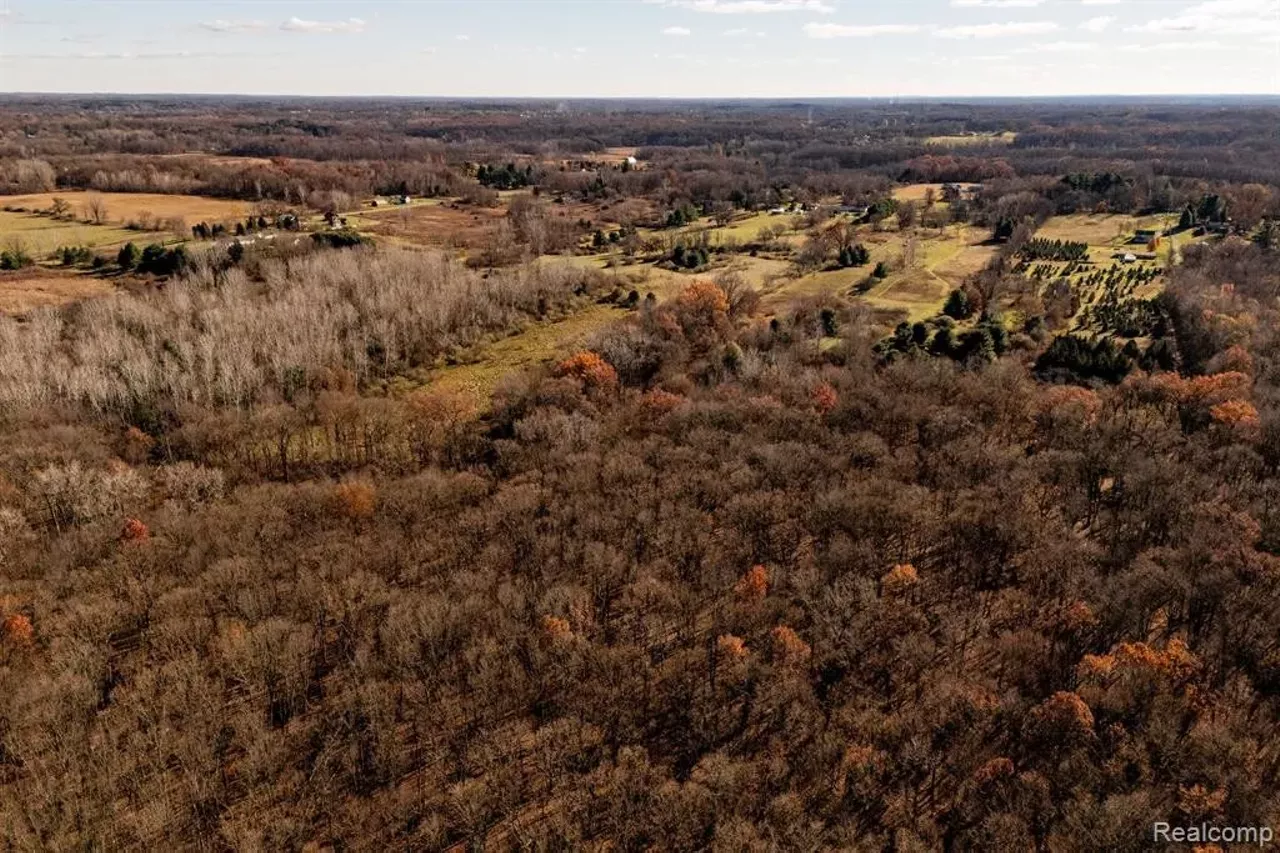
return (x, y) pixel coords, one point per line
(960, 139)
(610, 156)
(432, 222)
(126, 207)
(942, 261)
(25, 290)
(1104, 230)
(40, 235)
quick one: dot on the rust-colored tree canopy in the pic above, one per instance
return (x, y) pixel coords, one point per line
(17, 630)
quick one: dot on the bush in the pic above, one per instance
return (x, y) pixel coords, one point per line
(340, 238)
(15, 259)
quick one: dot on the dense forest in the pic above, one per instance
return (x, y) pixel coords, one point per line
(742, 152)
(727, 576)
(704, 582)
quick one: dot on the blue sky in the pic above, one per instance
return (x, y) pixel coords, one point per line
(646, 48)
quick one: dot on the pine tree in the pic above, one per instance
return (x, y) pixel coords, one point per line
(127, 257)
(958, 305)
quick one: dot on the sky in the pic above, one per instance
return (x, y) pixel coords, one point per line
(642, 48)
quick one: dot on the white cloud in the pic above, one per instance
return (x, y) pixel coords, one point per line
(1058, 47)
(117, 56)
(831, 31)
(750, 7)
(1220, 17)
(462, 38)
(996, 4)
(1180, 46)
(677, 31)
(737, 32)
(224, 26)
(1101, 2)
(298, 25)
(981, 31)
(1098, 24)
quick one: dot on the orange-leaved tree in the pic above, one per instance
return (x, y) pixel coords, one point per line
(590, 369)
(355, 500)
(753, 585)
(134, 531)
(17, 630)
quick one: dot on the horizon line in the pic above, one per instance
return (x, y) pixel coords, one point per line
(705, 98)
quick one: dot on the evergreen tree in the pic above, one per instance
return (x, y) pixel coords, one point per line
(958, 305)
(127, 257)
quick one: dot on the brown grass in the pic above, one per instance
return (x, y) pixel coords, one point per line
(123, 207)
(25, 290)
(439, 224)
(1105, 229)
(609, 156)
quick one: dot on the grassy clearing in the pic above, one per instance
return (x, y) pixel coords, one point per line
(942, 261)
(40, 235)
(26, 290)
(536, 344)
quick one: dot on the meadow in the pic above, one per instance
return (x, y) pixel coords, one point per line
(41, 235)
(122, 208)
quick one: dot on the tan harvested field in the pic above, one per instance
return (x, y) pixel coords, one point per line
(25, 290)
(125, 207)
(221, 159)
(609, 156)
(450, 224)
(962, 139)
(916, 192)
